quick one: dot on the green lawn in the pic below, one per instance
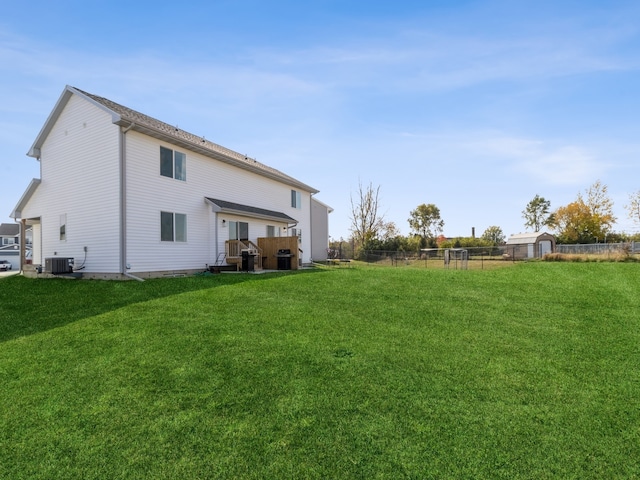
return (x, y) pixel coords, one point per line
(524, 372)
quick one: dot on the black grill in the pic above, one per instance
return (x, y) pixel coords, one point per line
(284, 259)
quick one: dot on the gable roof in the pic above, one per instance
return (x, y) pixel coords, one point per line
(26, 196)
(139, 122)
(239, 209)
(9, 229)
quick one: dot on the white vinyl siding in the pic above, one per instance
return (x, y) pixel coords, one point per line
(80, 178)
(148, 193)
(80, 173)
(319, 230)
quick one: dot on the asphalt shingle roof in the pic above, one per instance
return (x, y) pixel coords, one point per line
(237, 207)
(9, 229)
(198, 143)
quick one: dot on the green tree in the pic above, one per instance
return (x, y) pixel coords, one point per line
(537, 214)
(494, 235)
(425, 221)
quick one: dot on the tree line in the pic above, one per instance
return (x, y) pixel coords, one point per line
(588, 219)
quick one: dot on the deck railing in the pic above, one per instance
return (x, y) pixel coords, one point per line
(234, 249)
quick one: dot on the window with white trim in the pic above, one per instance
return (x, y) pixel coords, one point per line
(238, 230)
(272, 231)
(173, 164)
(173, 227)
(296, 199)
(63, 227)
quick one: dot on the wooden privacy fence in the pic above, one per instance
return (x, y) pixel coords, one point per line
(270, 246)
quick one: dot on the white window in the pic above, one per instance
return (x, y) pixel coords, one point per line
(296, 199)
(238, 231)
(173, 164)
(63, 227)
(173, 227)
(273, 231)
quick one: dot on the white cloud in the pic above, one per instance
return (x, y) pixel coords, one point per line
(567, 165)
(544, 161)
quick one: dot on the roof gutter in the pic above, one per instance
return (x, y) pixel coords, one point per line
(184, 143)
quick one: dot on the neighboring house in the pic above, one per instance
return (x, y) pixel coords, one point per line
(127, 195)
(9, 235)
(320, 227)
(530, 245)
(10, 243)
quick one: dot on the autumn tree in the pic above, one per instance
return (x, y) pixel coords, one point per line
(574, 223)
(537, 214)
(494, 235)
(366, 220)
(586, 220)
(425, 221)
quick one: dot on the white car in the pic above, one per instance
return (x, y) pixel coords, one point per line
(5, 265)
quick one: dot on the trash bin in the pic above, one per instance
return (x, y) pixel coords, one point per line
(247, 261)
(284, 259)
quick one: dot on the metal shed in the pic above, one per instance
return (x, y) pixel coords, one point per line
(530, 245)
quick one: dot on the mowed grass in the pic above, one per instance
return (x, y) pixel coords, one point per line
(526, 372)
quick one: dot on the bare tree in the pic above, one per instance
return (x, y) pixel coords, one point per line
(599, 202)
(633, 207)
(366, 220)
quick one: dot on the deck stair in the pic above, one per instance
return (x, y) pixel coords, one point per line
(234, 249)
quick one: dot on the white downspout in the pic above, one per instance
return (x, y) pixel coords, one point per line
(123, 204)
(215, 234)
(311, 227)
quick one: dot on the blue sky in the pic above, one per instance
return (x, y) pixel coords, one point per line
(475, 106)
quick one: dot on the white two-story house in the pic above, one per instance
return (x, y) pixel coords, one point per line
(126, 195)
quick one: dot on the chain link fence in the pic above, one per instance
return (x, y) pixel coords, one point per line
(486, 257)
(448, 258)
(599, 248)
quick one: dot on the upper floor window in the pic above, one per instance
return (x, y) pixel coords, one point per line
(173, 164)
(296, 199)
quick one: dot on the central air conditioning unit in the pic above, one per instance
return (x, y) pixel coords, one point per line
(58, 265)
